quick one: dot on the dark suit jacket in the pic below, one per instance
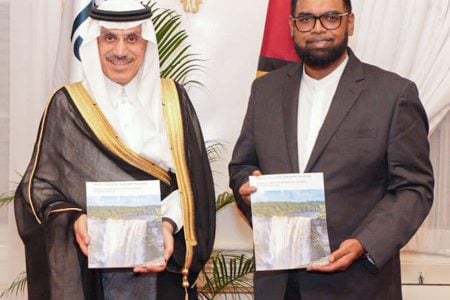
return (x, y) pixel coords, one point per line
(374, 153)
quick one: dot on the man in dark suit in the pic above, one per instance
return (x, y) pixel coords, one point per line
(366, 130)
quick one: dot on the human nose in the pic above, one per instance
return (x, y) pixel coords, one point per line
(318, 27)
(120, 48)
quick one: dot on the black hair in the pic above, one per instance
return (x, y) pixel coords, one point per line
(347, 4)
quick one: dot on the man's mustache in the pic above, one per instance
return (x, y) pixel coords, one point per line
(123, 59)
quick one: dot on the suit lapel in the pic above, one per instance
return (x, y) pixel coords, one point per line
(347, 92)
(290, 91)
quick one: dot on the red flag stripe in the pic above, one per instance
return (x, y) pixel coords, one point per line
(277, 42)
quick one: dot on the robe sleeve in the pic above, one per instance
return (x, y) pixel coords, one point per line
(45, 216)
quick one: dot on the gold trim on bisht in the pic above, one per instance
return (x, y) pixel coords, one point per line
(106, 134)
(260, 73)
(62, 210)
(174, 124)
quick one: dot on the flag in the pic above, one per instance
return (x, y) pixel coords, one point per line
(277, 47)
(67, 66)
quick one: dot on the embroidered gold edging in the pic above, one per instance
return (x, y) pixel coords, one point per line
(174, 123)
(260, 73)
(105, 133)
(63, 210)
(36, 160)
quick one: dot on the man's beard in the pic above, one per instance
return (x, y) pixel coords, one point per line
(321, 58)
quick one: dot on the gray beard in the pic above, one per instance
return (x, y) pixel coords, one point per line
(321, 58)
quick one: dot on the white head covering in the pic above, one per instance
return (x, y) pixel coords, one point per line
(154, 144)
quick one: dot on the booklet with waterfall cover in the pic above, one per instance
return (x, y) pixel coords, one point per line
(124, 224)
(289, 221)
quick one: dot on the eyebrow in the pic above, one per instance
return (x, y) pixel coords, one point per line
(301, 14)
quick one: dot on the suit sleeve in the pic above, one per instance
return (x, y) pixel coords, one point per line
(244, 160)
(396, 217)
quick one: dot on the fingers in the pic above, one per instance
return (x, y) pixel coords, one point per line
(150, 269)
(246, 190)
(168, 251)
(81, 233)
(168, 240)
(340, 260)
(256, 173)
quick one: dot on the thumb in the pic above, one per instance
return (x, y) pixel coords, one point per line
(82, 228)
(257, 173)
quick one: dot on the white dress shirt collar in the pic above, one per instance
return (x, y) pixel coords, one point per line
(116, 91)
(315, 98)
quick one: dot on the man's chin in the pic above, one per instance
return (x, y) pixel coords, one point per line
(318, 61)
(120, 79)
(320, 58)
(319, 53)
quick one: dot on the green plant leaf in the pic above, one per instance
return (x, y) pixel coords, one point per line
(175, 61)
(6, 198)
(167, 49)
(224, 199)
(17, 286)
(214, 150)
(229, 274)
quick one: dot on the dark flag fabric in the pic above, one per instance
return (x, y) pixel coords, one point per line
(277, 47)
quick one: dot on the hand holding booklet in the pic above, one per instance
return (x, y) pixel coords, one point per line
(124, 224)
(289, 221)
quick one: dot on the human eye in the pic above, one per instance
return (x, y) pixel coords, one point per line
(132, 38)
(305, 19)
(332, 17)
(109, 37)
